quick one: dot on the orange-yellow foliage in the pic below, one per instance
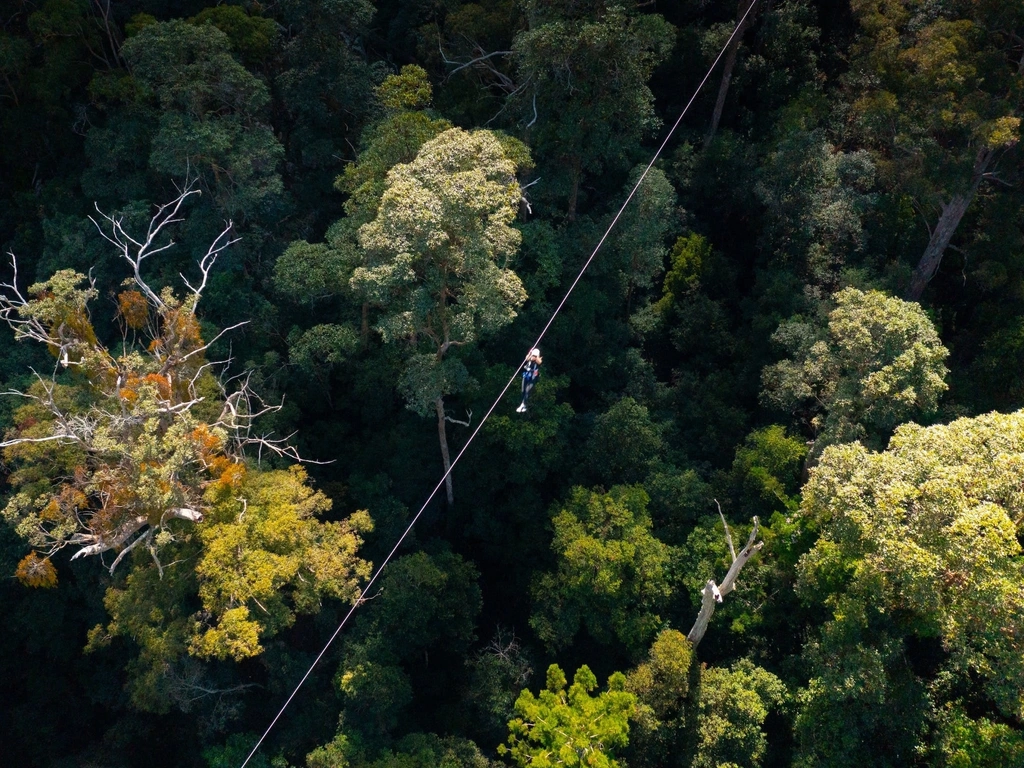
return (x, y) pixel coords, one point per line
(206, 440)
(162, 384)
(133, 308)
(231, 477)
(36, 571)
(181, 326)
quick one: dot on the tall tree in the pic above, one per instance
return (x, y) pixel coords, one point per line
(589, 64)
(937, 94)
(309, 272)
(437, 260)
(138, 449)
(919, 565)
(734, 704)
(873, 363)
(816, 199)
(744, 18)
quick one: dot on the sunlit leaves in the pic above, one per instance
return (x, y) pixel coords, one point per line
(35, 571)
(265, 556)
(734, 704)
(929, 530)
(571, 728)
(612, 575)
(877, 362)
(437, 253)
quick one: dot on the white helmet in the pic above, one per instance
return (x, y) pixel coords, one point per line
(535, 352)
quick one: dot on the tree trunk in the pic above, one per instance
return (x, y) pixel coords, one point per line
(574, 190)
(949, 220)
(713, 594)
(730, 62)
(443, 437)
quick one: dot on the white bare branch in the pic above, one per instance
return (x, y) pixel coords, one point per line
(466, 423)
(207, 345)
(25, 440)
(478, 60)
(184, 513)
(124, 552)
(136, 251)
(279, 446)
(218, 246)
(728, 536)
(12, 302)
(104, 543)
(712, 594)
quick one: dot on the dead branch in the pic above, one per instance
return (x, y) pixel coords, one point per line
(220, 243)
(136, 251)
(469, 418)
(728, 536)
(481, 61)
(12, 302)
(124, 552)
(104, 430)
(471, 62)
(714, 593)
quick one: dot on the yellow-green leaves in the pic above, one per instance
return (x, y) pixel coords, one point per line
(612, 572)
(266, 556)
(930, 528)
(260, 557)
(662, 682)
(877, 363)
(570, 728)
(1002, 132)
(734, 704)
(409, 89)
(236, 636)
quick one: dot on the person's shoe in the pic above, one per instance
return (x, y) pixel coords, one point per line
(521, 408)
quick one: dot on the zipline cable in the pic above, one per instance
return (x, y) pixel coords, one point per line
(504, 390)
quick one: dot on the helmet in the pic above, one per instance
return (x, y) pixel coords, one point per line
(534, 352)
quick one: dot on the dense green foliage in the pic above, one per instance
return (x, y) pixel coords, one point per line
(812, 312)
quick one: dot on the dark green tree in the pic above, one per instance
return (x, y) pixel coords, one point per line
(935, 92)
(588, 64)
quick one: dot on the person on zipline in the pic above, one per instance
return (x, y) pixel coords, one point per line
(531, 372)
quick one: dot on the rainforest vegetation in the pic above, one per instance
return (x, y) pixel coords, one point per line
(268, 265)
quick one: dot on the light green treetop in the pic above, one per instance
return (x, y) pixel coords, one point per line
(613, 573)
(570, 728)
(734, 704)
(437, 260)
(928, 532)
(874, 364)
(437, 253)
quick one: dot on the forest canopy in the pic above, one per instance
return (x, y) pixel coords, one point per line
(268, 266)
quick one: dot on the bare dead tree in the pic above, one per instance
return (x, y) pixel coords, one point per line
(481, 62)
(712, 594)
(148, 389)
